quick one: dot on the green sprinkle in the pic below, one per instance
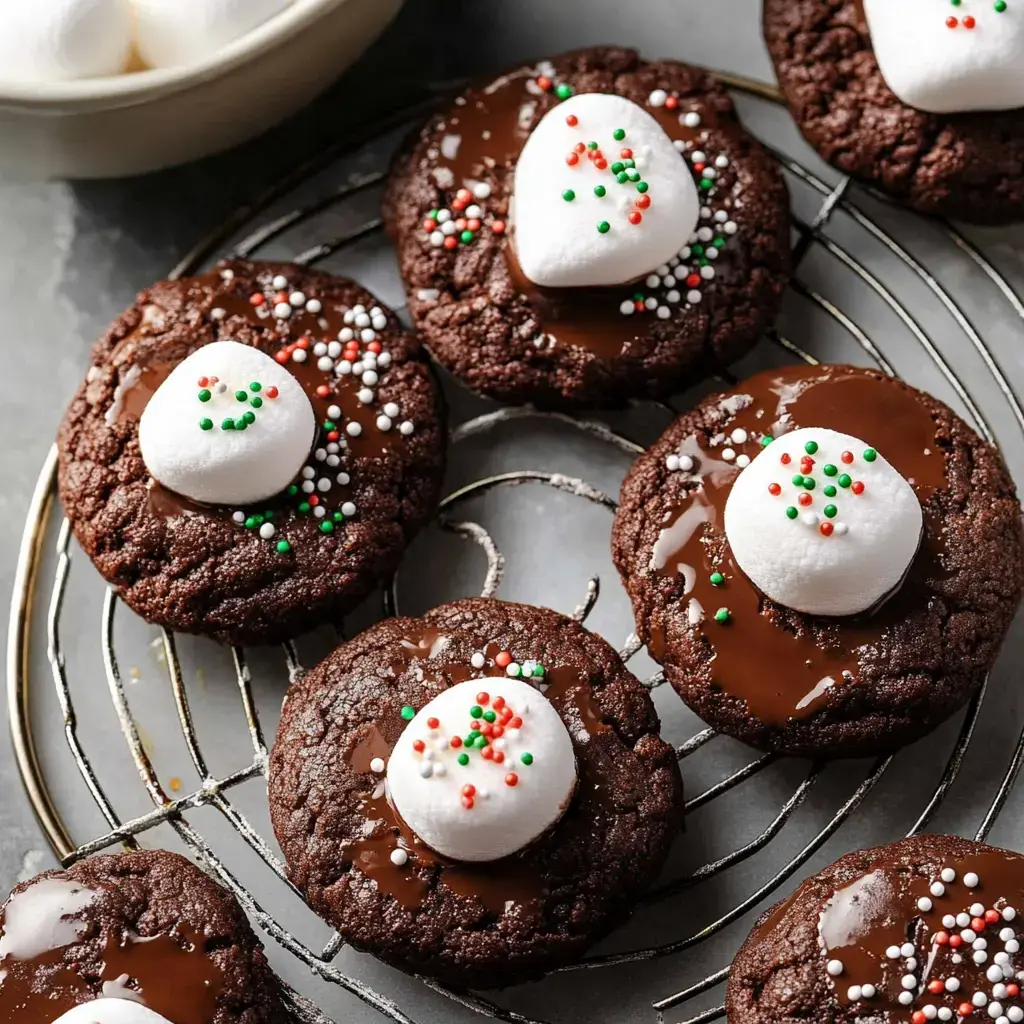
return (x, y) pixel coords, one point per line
(489, 716)
(642, 186)
(830, 491)
(697, 250)
(481, 740)
(621, 177)
(241, 423)
(256, 402)
(604, 227)
(591, 145)
(568, 195)
(717, 579)
(811, 447)
(293, 489)
(432, 214)
(269, 514)
(845, 480)
(600, 191)
(792, 512)
(830, 470)
(329, 425)
(629, 163)
(255, 386)
(242, 396)
(304, 506)
(526, 758)
(563, 91)
(250, 523)
(475, 711)
(463, 759)
(809, 482)
(408, 712)
(870, 455)
(204, 395)
(326, 526)
(538, 671)
(618, 135)
(338, 517)
(705, 184)
(638, 296)
(618, 167)
(999, 6)
(723, 615)
(830, 511)
(718, 243)
(206, 424)
(227, 423)
(283, 547)
(798, 480)
(466, 237)
(469, 742)
(633, 175)
(766, 440)
(249, 416)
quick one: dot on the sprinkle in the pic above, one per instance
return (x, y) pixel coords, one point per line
(399, 858)
(717, 579)
(971, 880)
(408, 713)
(723, 615)
(834, 968)
(477, 661)
(604, 227)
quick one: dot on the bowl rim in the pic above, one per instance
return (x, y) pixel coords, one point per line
(138, 86)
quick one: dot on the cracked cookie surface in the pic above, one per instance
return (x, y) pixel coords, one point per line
(486, 924)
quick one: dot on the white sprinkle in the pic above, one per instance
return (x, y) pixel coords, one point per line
(377, 765)
(406, 428)
(1007, 933)
(217, 313)
(976, 909)
(929, 1011)
(906, 998)
(995, 1010)
(664, 312)
(834, 968)
(999, 991)
(810, 519)
(348, 317)
(743, 461)
(348, 509)
(342, 478)
(391, 409)
(711, 252)
(705, 234)
(323, 484)
(378, 322)
(239, 517)
(673, 296)
(1015, 1013)
(313, 306)
(957, 958)
(908, 981)
(384, 359)
(299, 355)
(384, 423)
(344, 367)
(365, 396)
(481, 190)
(971, 880)
(968, 935)
(980, 944)
(948, 875)
(1009, 913)
(739, 435)
(937, 889)
(963, 920)
(279, 283)
(911, 964)
(370, 377)
(853, 993)
(994, 973)
(945, 1013)
(367, 334)
(693, 297)
(478, 660)
(868, 991)
(924, 904)
(1012, 946)
(319, 511)
(353, 429)
(325, 363)
(650, 302)
(1002, 959)
(308, 472)
(952, 984)
(907, 949)
(399, 858)
(731, 227)
(721, 160)
(426, 770)
(626, 307)
(346, 334)
(698, 156)
(308, 487)
(657, 98)
(282, 311)
(653, 281)
(707, 273)
(686, 463)
(728, 454)
(267, 531)
(320, 349)
(297, 299)
(893, 952)
(949, 921)
(979, 999)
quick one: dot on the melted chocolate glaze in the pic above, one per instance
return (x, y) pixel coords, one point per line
(782, 674)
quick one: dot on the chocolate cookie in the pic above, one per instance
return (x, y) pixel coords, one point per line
(923, 930)
(254, 507)
(813, 594)
(513, 738)
(967, 165)
(585, 294)
(146, 929)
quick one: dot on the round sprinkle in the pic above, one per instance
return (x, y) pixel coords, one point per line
(854, 993)
(408, 713)
(526, 758)
(463, 759)
(811, 447)
(568, 195)
(723, 615)
(600, 191)
(937, 889)
(971, 880)
(399, 858)
(604, 227)
(717, 579)
(283, 547)
(478, 660)
(923, 904)
(834, 968)
(377, 765)
(870, 455)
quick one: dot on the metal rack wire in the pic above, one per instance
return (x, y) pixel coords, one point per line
(214, 789)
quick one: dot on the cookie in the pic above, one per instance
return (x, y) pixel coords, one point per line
(251, 451)
(516, 742)
(824, 560)
(620, 271)
(138, 938)
(938, 125)
(922, 930)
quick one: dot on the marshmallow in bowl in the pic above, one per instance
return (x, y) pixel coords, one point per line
(228, 426)
(482, 803)
(945, 58)
(170, 33)
(820, 522)
(601, 196)
(57, 40)
(111, 1011)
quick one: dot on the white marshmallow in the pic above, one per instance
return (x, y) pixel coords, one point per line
(56, 40)
(875, 534)
(170, 33)
(111, 1011)
(503, 818)
(557, 242)
(936, 68)
(227, 467)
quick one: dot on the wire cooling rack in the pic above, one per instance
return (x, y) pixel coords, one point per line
(843, 223)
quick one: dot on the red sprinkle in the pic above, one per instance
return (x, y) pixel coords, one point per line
(282, 355)
(419, 746)
(322, 391)
(511, 779)
(302, 343)
(965, 1010)
(333, 435)
(473, 223)
(672, 102)
(941, 938)
(968, 22)
(955, 941)
(432, 723)
(516, 723)
(1013, 990)
(635, 217)
(693, 280)
(487, 753)
(499, 756)
(805, 499)
(544, 82)
(572, 159)
(991, 916)
(429, 224)
(257, 298)
(847, 457)
(774, 489)
(497, 731)
(467, 802)
(643, 201)
(281, 297)
(857, 487)
(456, 742)
(626, 154)
(374, 346)
(464, 194)
(601, 164)
(951, 22)
(978, 924)
(503, 659)
(469, 790)
(580, 148)
(482, 697)
(498, 227)
(785, 458)
(918, 1017)
(460, 224)
(499, 703)
(203, 381)
(314, 499)
(450, 242)
(572, 120)
(935, 986)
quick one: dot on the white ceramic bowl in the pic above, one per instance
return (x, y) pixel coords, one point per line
(127, 124)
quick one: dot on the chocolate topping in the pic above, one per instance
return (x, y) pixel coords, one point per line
(779, 673)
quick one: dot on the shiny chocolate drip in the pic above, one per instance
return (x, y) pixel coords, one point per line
(495, 884)
(40, 978)
(778, 673)
(480, 141)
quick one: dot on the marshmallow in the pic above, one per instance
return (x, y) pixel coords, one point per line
(111, 1011)
(55, 40)
(44, 917)
(170, 33)
(942, 69)
(836, 547)
(188, 446)
(556, 213)
(482, 808)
